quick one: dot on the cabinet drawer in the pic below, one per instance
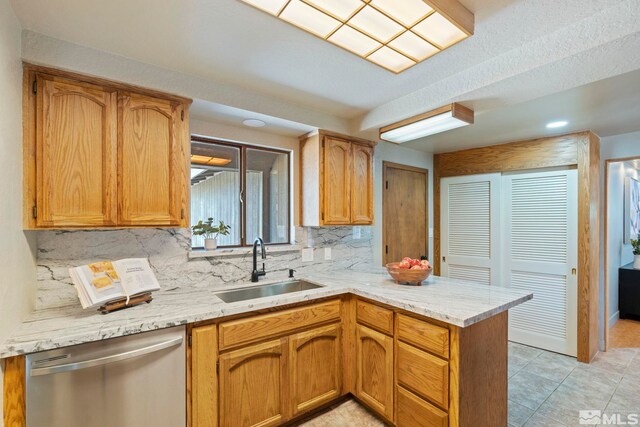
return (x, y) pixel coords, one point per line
(375, 317)
(423, 373)
(251, 329)
(424, 335)
(415, 412)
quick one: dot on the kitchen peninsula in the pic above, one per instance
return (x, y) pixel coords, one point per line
(434, 354)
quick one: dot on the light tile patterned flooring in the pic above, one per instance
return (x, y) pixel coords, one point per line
(545, 390)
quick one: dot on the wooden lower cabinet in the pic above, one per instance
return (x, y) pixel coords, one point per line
(316, 371)
(374, 366)
(423, 373)
(412, 411)
(253, 383)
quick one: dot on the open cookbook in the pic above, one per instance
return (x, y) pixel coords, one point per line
(106, 281)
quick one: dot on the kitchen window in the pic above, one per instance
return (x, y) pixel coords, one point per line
(246, 186)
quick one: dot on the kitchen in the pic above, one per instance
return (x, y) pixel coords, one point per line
(121, 158)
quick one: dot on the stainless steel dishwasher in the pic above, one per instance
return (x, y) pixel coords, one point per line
(133, 381)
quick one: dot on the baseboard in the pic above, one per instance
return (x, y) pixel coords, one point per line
(614, 319)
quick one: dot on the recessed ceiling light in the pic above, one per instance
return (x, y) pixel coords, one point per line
(253, 123)
(558, 124)
(442, 119)
(394, 34)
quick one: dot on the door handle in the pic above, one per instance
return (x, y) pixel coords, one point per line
(574, 271)
(67, 367)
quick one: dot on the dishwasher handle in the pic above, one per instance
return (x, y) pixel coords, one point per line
(67, 367)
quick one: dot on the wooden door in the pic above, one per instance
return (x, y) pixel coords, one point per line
(253, 385)
(204, 376)
(404, 212)
(75, 154)
(362, 184)
(151, 162)
(374, 365)
(336, 183)
(316, 369)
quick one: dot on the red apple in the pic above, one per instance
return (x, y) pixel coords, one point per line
(404, 265)
(407, 259)
(414, 262)
(417, 267)
(425, 264)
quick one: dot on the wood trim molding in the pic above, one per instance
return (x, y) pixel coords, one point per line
(322, 132)
(99, 81)
(581, 150)
(14, 398)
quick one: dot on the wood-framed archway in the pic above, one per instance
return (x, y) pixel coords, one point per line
(580, 150)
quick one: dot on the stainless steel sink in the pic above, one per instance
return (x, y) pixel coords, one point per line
(269, 290)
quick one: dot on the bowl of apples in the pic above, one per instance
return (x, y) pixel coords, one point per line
(409, 271)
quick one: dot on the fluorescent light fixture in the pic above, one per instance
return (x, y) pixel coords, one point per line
(394, 34)
(430, 123)
(558, 124)
(253, 123)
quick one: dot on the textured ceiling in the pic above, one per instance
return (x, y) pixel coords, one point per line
(227, 53)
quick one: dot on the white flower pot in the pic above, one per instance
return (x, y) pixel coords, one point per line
(636, 262)
(210, 244)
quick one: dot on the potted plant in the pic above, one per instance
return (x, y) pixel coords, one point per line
(635, 243)
(210, 232)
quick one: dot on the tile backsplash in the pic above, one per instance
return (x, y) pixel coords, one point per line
(168, 249)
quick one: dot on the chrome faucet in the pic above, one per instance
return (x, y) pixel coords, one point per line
(255, 274)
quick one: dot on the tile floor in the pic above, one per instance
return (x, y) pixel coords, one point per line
(545, 390)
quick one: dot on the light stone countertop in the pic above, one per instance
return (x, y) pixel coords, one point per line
(456, 302)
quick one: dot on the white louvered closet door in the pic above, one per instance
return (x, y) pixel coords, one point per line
(470, 241)
(540, 256)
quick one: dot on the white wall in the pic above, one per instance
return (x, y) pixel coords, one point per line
(614, 147)
(17, 281)
(384, 152)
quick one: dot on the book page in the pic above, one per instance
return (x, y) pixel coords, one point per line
(136, 275)
(101, 282)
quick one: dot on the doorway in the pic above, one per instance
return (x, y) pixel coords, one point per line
(622, 299)
(404, 212)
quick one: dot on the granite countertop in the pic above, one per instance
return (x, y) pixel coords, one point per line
(455, 302)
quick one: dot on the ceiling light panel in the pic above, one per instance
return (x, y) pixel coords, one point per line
(341, 9)
(390, 59)
(309, 18)
(354, 41)
(394, 34)
(437, 29)
(407, 12)
(413, 46)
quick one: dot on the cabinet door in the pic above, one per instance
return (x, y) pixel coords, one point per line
(374, 361)
(151, 162)
(316, 372)
(362, 184)
(204, 377)
(253, 385)
(75, 154)
(336, 183)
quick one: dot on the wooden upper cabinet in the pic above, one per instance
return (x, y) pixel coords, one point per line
(362, 184)
(336, 180)
(150, 162)
(102, 154)
(253, 385)
(336, 186)
(316, 368)
(76, 154)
